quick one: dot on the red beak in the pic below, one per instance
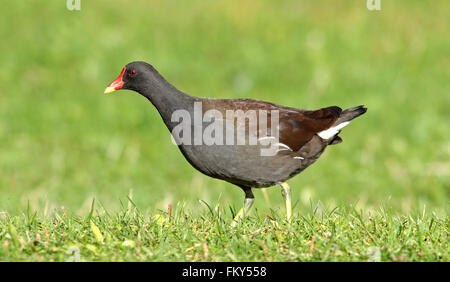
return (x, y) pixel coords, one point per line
(117, 83)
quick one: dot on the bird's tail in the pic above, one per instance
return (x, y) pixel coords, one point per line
(344, 119)
(349, 114)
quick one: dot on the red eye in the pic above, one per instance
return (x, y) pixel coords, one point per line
(132, 72)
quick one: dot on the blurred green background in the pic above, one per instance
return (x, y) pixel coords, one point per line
(63, 142)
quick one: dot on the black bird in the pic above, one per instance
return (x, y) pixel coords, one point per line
(276, 142)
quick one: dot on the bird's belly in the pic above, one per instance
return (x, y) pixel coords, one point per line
(244, 165)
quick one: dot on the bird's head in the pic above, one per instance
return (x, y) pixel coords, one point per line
(136, 76)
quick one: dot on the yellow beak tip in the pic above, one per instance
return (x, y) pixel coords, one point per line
(109, 90)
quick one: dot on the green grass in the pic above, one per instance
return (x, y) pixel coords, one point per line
(341, 234)
(63, 142)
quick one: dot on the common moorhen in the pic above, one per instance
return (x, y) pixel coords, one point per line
(288, 140)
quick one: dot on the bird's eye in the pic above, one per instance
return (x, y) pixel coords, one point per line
(132, 73)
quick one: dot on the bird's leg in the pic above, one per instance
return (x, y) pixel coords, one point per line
(286, 193)
(248, 202)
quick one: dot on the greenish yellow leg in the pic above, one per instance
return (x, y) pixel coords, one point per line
(286, 193)
(248, 202)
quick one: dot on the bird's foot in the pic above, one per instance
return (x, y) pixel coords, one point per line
(286, 193)
(248, 203)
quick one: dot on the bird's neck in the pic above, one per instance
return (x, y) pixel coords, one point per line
(167, 99)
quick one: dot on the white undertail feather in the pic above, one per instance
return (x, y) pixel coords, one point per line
(332, 131)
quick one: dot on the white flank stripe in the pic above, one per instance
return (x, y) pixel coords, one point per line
(284, 146)
(331, 132)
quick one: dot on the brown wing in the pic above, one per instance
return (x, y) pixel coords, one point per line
(297, 128)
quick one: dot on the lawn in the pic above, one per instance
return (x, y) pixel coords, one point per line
(341, 234)
(383, 194)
